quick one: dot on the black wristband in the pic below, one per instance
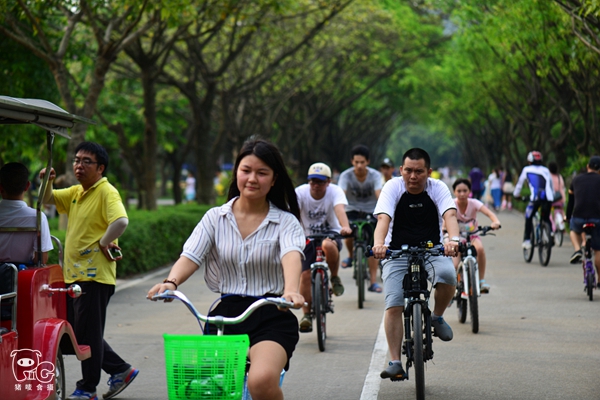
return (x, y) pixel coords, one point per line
(168, 281)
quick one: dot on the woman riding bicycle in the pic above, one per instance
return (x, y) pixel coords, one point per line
(558, 183)
(466, 214)
(252, 246)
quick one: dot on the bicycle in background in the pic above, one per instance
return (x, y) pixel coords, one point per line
(362, 229)
(210, 367)
(322, 299)
(418, 331)
(467, 288)
(557, 220)
(589, 271)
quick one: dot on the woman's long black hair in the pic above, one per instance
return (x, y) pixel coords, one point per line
(282, 193)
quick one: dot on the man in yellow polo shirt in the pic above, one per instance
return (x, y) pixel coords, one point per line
(97, 218)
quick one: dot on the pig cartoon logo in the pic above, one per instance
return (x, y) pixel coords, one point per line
(26, 366)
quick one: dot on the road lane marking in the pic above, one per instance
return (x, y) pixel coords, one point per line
(373, 380)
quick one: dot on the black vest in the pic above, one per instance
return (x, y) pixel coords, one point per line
(416, 220)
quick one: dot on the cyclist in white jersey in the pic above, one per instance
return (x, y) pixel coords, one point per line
(542, 193)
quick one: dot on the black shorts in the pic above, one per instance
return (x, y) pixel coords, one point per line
(266, 323)
(310, 253)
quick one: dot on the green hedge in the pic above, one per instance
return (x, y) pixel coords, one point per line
(152, 239)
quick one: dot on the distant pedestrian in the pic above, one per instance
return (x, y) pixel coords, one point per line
(508, 186)
(495, 185)
(476, 177)
(190, 187)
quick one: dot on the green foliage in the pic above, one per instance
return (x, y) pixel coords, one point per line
(152, 238)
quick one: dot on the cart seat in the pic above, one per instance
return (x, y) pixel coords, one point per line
(8, 285)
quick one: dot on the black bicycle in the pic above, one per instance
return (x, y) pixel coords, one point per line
(322, 299)
(541, 237)
(362, 230)
(418, 331)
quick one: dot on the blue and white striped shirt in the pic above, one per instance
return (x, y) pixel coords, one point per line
(250, 266)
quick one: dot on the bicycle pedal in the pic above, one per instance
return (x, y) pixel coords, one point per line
(399, 378)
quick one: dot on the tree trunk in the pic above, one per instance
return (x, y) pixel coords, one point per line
(148, 183)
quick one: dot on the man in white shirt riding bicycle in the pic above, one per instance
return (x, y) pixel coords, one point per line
(542, 193)
(411, 210)
(322, 210)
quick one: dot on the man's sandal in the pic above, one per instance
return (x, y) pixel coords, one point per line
(375, 288)
(347, 262)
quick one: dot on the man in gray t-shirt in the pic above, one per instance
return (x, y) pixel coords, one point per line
(362, 186)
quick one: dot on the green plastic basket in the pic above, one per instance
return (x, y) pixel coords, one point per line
(206, 367)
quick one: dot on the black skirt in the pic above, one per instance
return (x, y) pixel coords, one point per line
(266, 323)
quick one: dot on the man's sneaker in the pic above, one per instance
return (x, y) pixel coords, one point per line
(526, 244)
(576, 257)
(82, 395)
(484, 287)
(442, 329)
(394, 371)
(118, 382)
(336, 285)
(306, 323)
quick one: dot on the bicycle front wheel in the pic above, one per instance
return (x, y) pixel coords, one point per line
(473, 305)
(359, 260)
(461, 303)
(320, 304)
(419, 363)
(559, 237)
(545, 248)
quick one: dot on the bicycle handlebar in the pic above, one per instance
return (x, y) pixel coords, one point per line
(407, 250)
(218, 319)
(482, 230)
(322, 236)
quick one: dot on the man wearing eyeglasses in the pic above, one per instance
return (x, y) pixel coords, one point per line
(322, 210)
(97, 218)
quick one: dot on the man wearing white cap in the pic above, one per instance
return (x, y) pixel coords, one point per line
(322, 210)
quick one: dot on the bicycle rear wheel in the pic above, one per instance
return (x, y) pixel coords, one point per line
(359, 260)
(473, 300)
(419, 364)
(589, 283)
(545, 248)
(320, 303)
(461, 303)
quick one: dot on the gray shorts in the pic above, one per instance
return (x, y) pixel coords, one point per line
(439, 269)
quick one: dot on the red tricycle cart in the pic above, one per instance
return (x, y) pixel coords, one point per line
(34, 330)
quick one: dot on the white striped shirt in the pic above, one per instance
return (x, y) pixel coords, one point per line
(250, 266)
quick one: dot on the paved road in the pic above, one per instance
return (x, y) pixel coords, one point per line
(539, 337)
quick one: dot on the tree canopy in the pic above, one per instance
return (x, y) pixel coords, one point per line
(181, 84)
